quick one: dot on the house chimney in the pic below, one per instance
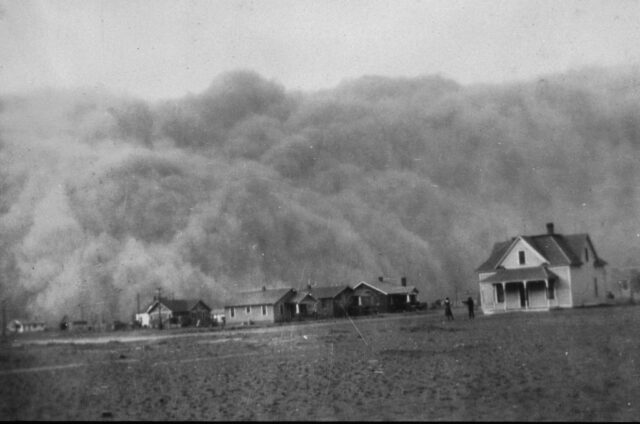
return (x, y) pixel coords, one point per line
(549, 227)
(264, 288)
(380, 278)
(404, 281)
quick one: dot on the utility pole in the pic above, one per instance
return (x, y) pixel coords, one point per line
(159, 313)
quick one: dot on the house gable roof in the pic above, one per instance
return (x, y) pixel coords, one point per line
(528, 242)
(260, 297)
(578, 242)
(329, 292)
(387, 288)
(497, 253)
(556, 249)
(303, 297)
(177, 305)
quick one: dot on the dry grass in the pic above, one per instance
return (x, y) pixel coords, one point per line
(563, 365)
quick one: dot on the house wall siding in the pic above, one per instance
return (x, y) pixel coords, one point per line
(583, 287)
(325, 307)
(563, 297)
(488, 302)
(274, 313)
(254, 315)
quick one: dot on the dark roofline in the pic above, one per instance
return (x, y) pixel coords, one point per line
(339, 290)
(235, 302)
(500, 249)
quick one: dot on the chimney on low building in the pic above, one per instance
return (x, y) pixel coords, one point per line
(403, 281)
(549, 227)
(380, 279)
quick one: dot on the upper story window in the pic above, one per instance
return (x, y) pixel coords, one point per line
(521, 258)
(586, 254)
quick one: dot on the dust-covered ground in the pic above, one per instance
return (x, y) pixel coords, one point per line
(562, 365)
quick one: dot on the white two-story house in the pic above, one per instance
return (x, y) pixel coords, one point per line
(540, 272)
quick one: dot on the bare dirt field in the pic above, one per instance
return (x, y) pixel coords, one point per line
(578, 365)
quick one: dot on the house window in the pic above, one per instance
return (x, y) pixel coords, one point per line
(247, 310)
(521, 260)
(264, 309)
(586, 254)
(595, 286)
(551, 291)
(233, 312)
(499, 293)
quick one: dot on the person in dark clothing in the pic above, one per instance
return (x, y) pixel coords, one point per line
(469, 303)
(447, 309)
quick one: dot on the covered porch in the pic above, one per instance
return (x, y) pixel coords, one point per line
(304, 305)
(522, 289)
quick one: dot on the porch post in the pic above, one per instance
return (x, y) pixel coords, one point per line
(504, 295)
(546, 284)
(526, 295)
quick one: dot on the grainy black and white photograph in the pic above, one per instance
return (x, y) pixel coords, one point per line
(320, 210)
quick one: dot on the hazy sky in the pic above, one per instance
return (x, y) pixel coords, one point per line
(158, 48)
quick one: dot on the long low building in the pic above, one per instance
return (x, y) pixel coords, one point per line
(286, 304)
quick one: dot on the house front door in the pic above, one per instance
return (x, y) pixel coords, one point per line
(537, 294)
(515, 296)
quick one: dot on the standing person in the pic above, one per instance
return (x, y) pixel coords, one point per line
(469, 303)
(447, 309)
